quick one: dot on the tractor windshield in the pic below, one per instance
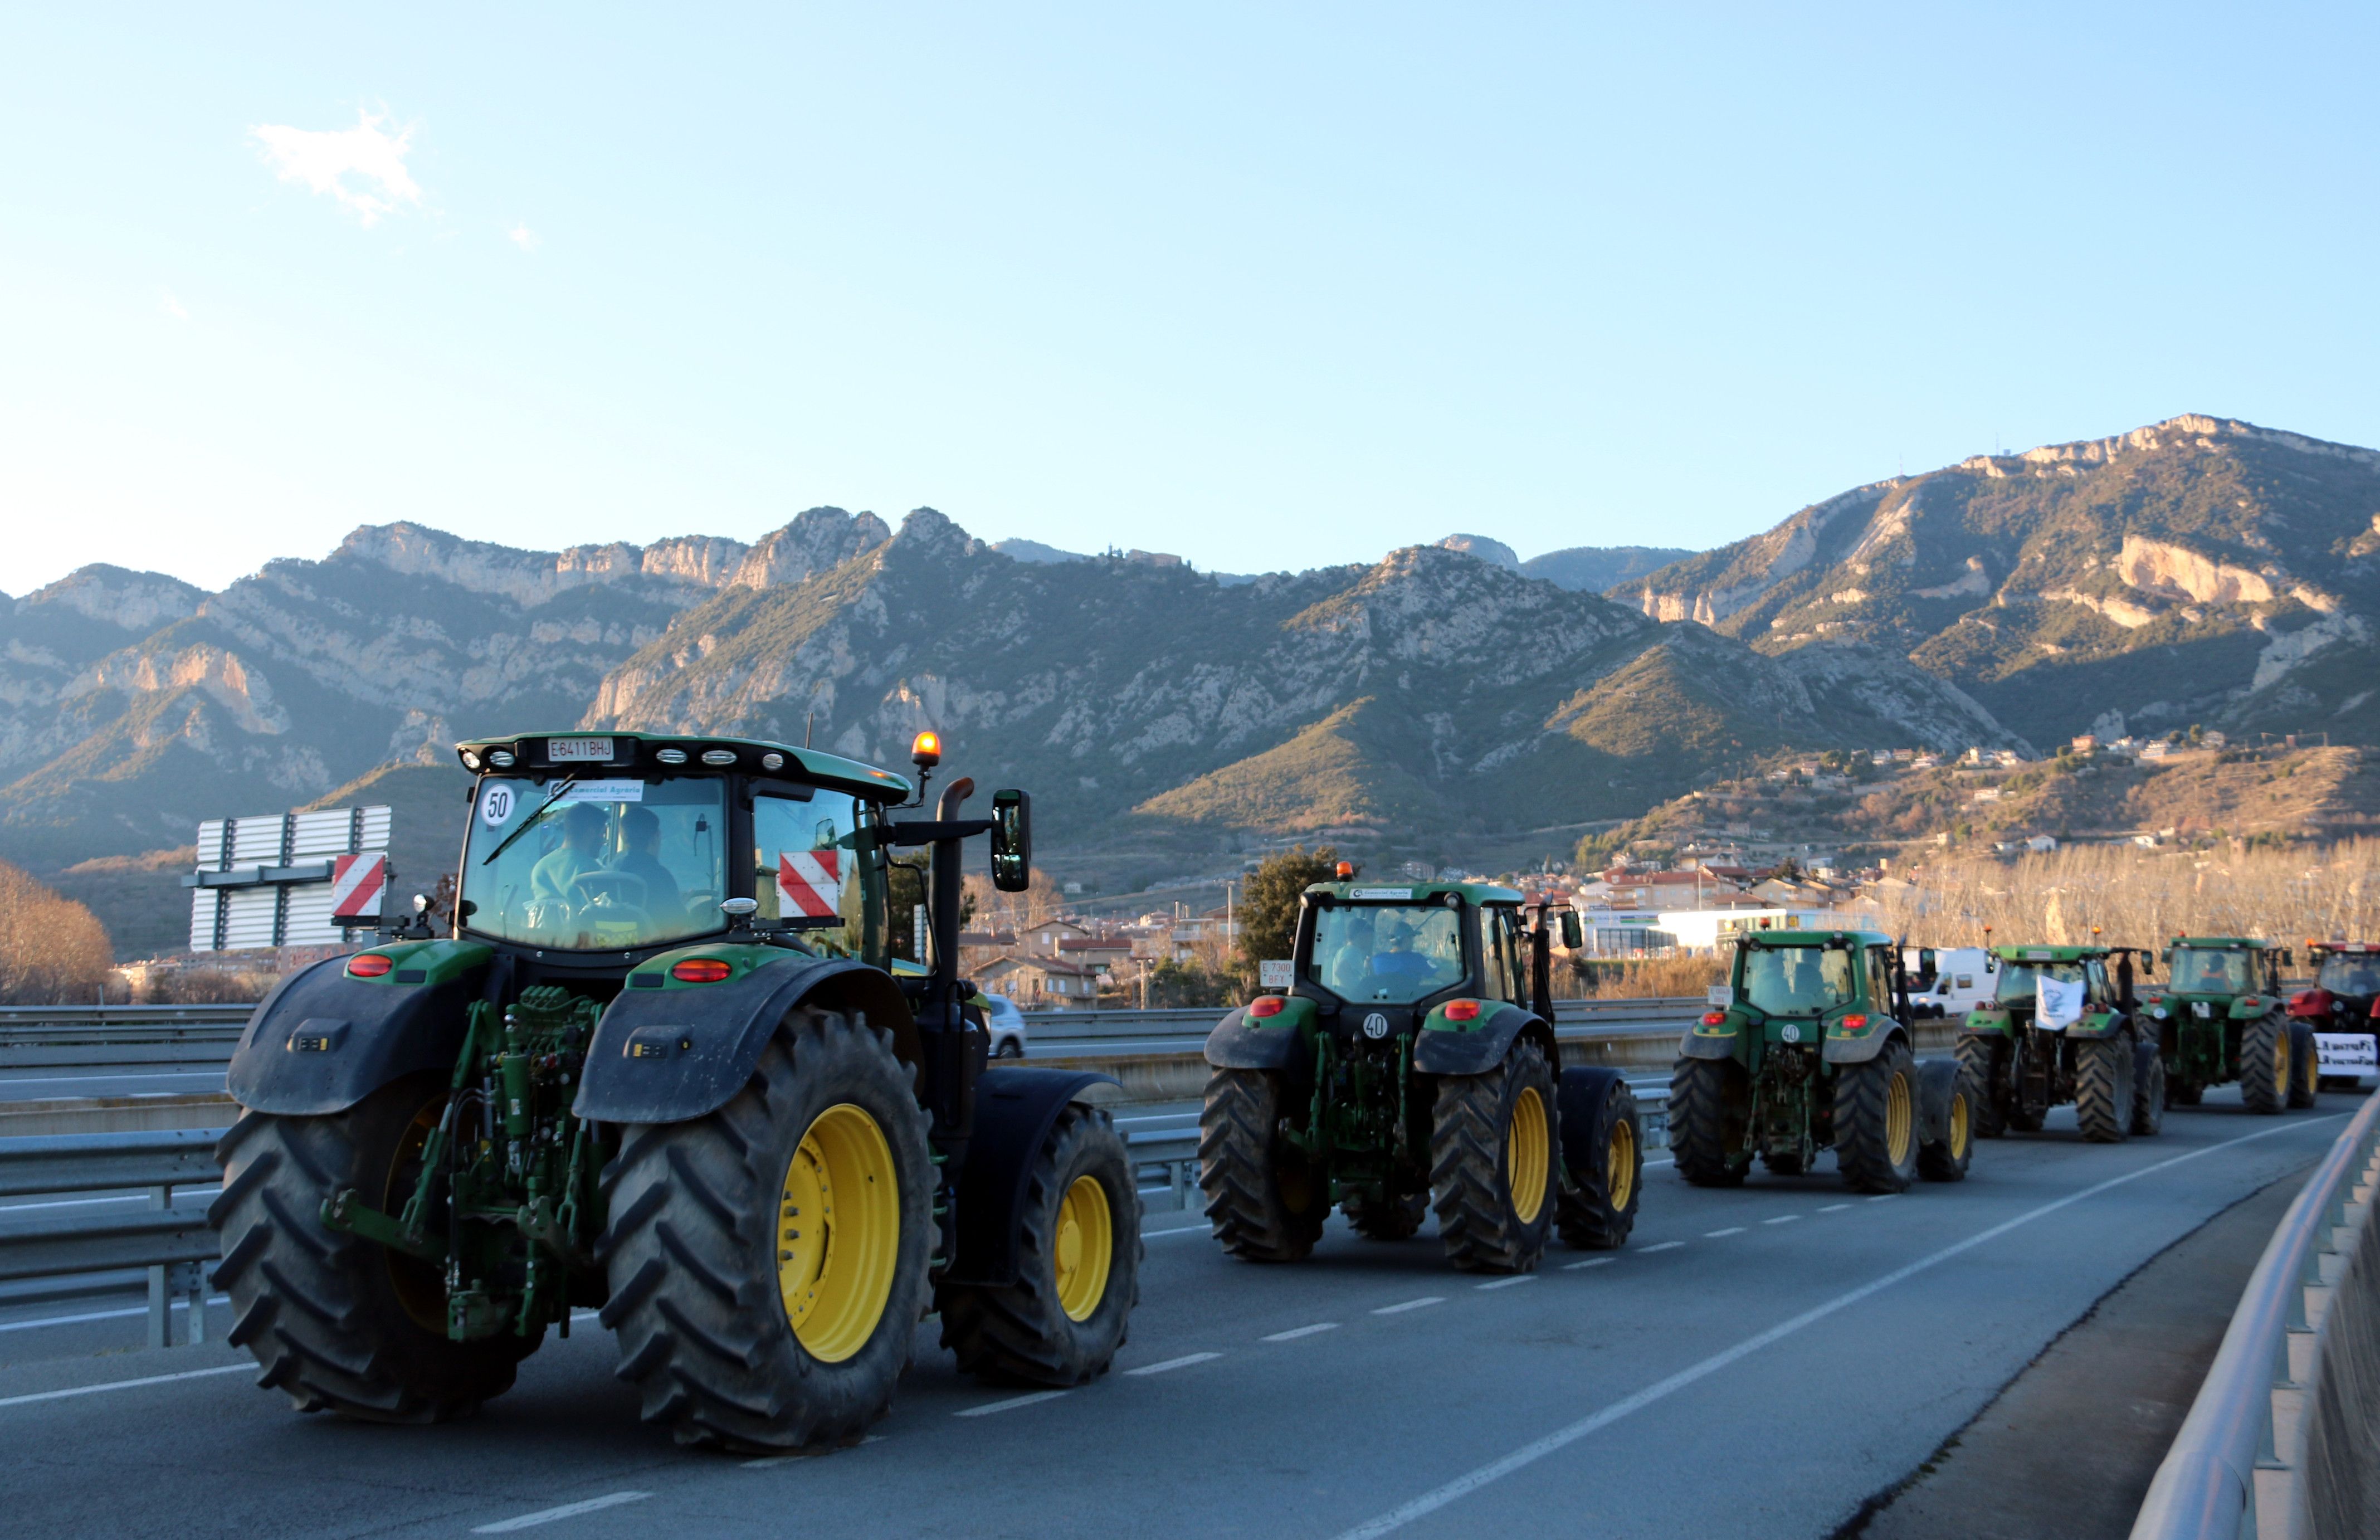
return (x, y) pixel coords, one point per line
(1796, 981)
(2018, 986)
(2205, 971)
(595, 865)
(2353, 974)
(1392, 953)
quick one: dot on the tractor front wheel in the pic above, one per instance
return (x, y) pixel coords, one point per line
(1597, 1206)
(1979, 1065)
(1493, 1142)
(2306, 1065)
(2104, 1076)
(1710, 1111)
(2148, 1090)
(336, 1323)
(1264, 1198)
(1876, 1121)
(768, 1261)
(2264, 1071)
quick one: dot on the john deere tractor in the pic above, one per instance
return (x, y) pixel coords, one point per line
(1409, 1064)
(2061, 1027)
(1813, 1051)
(2221, 1017)
(662, 1064)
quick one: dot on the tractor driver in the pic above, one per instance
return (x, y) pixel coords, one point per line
(641, 831)
(1401, 963)
(554, 879)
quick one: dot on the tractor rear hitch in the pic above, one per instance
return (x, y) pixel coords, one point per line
(349, 1215)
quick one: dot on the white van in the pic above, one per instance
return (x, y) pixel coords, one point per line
(1958, 982)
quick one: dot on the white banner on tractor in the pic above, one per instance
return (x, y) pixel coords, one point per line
(2057, 1003)
(288, 879)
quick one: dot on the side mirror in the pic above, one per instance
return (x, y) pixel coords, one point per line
(1012, 841)
(1574, 934)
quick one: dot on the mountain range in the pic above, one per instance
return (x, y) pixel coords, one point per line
(1442, 699)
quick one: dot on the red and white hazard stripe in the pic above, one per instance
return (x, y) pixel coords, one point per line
(809, 882)
(357, 882)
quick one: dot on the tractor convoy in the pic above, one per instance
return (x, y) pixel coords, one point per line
(662, 1061)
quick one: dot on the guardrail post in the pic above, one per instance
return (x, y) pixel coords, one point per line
(161, 1321)
(190, 1278)
(1176, 1175)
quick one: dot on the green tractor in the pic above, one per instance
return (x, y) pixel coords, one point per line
(2063, 1027)
(661, 1065)
(1814, 1051)
(1409, 1064)
(2221, 1016)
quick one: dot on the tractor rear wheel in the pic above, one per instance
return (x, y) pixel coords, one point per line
(1948, 1101)
(768, 1261)
(2103, 1088)
(338, 1322)
(2264, 1077)
(1979, 1065)
(1264, 1198)
(1493, 1141)
(1710, 1109)
(1391, 1217)
(1597, 1206)
(1079, 1267)
(1876, 1121)
(2148, 1090)
(2306, 1065)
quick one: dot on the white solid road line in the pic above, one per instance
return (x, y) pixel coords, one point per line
(1666, 1245)
(1529, 1454)
(1715, 1234)
(1293, 1334)
(1507, 1282)
(1410, 1304)
(124, 1384)
(1012, 1404)
(1178, 1229)
(1182, 1363)
(101, 1315)
(1590, 1262)
(567, 1511)
(1782, 1219)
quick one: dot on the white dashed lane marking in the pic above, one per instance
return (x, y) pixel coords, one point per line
(1590, 1262)
(1410, 1304)
(1507, 1282)
(1294, 1333)
(1182, 1363)
(1834, 1208)
(1715, 1234)
(1011, 1404)
(1782, 1219)
(1666, 1245)
(567, 1511)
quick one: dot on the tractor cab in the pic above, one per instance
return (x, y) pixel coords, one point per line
(1377, 961)
(2074, 981)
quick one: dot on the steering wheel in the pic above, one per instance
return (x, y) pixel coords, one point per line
(610, 891)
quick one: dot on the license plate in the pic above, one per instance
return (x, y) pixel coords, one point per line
(578, 751)
(2199, 1008)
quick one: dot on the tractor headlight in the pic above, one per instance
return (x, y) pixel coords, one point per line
(772, 760)
(670, 755)
(500, 758)
(470, 759)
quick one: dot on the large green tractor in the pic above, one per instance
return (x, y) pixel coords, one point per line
(2062, 1026)
(1814, 1051)
(1409, 1064)
(662, 1064)
(2222, 1016)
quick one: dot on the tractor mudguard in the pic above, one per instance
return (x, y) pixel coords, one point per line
(1014, 1109)
(1986, 1023)
(670, 1053)
(1243, 1042)
(1705, 1040)
(1444, 1047)
(1937, 1078)
(322, 1041)
(1858, 1048)
(2090, 1028)
(1581, 1097)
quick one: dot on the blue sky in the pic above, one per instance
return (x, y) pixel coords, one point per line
(1267, 286)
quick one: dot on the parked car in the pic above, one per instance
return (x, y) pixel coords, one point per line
(1006, 1024)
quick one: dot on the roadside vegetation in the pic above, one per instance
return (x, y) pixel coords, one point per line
(53, 950)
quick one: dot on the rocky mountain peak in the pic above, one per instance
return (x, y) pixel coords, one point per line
(139, 601)
(817, 541)
(1494, 552)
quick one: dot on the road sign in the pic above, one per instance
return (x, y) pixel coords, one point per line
(288, 878)
(357, 884)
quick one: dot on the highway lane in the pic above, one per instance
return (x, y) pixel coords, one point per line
(1756, 1364)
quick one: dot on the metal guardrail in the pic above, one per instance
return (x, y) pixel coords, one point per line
(174, 1244)
(2236, 1467)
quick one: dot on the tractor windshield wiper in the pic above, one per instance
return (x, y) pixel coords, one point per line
(530, 822)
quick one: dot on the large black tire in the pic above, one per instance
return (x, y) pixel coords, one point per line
(1264, 1199)
(1394, 1218)
(2148, 1090)
(1948, 1104)
(339, 1323)
(1079, 1267)
(1492, 1156)
(2103, 1088)
(701, 1216)
(1980, 1062)
(2305, 1066)
(2264, 1072)
(1710, 1109)
(1876, 1121)
(1597, 1205)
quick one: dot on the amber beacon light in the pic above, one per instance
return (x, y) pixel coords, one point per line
(925, 752)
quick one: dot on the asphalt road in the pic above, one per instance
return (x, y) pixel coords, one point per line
(1755, 1363)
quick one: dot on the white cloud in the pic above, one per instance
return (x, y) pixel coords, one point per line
(344, 163)
(523, 237)
(171, 305)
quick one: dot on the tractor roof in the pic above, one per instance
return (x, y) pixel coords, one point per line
(1360, 892)
(2225, 943)
(644, 751)
(2049, 955)
(1814, 938)
(2352, 949)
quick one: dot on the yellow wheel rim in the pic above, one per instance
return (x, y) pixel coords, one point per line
(1086, 1248)
(1959, 1125)
(1897, 1120)
(838, 1233)
(2281, 1061)
(1620, 1169)
(1528, 1155)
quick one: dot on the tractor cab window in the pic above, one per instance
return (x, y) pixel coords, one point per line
(806, 869)
(2018, 984)
(2205, 971)
(1500, 939)
(1389, 952)
(2350, 973)
(2100, 987)
(1797, 980)
(1879, 979)
(595, 865)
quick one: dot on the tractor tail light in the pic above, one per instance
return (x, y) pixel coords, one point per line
(1854, 1024)
(1714, 1018)
(701, 970)
(1266, 1005)
(1463, 1010)
(369, 965)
